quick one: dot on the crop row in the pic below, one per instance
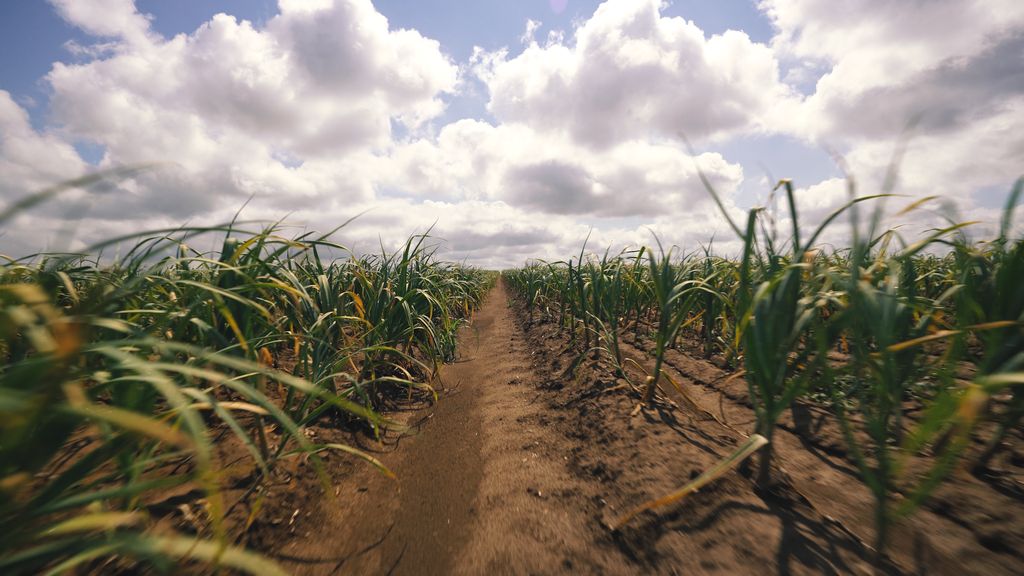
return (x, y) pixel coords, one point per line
(865, 328)
(115, 374)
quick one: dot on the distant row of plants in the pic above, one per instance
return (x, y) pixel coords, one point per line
(864, 328)
(115, 372)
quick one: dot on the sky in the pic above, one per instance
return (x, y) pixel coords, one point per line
(510, 129)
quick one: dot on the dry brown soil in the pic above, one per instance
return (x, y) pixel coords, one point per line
(526, 456)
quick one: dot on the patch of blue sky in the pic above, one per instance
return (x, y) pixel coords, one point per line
(173, 17)
(989, 197)
(494, 24)
(803, 76)
(717, 16)
(765, 158)
(287, 158)
(32, 38)
(91, 152)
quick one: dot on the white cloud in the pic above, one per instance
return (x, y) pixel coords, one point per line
(949, 61)
(874, 42)
(293, 112)
(984, 154)
(345, 48)
(316, 80)
(106, 18)
(30, 160)
(633, 73)
(551, 174)
(954, 66)
(531, 30)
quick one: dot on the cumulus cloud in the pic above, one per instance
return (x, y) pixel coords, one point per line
(486, 233)
(318, 79)
(30, 160)
(985, 154)
(106, 18)
(948, 61)
(858, 37)
(295, 111)
(498, 235)
(551, 174)
(631, 72)
(345, 48)
(950, 69)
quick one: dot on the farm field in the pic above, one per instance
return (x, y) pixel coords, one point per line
(558, 287)
(271, 409)
(521, 467)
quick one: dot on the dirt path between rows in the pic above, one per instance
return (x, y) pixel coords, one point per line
(474, 487)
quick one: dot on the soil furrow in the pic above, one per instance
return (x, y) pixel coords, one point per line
(482, 482)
